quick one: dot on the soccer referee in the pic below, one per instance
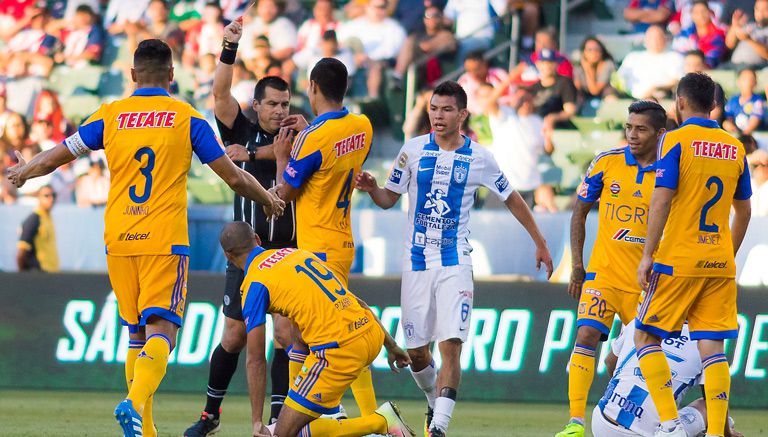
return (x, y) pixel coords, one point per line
(250, 145)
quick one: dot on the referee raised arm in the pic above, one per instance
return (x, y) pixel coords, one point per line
(250, 145)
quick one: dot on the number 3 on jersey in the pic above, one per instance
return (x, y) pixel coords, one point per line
(346, 193)
(145, 171)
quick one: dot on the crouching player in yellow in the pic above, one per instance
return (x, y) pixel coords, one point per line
(343, 335)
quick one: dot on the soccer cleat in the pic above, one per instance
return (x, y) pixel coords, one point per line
(679, 431)
(573, 429)
(395, 425)
(208, 424)
(436, 432)
(128, 419)
(428, 420)
(342, 414)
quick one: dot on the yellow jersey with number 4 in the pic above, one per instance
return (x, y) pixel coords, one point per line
(148, 139)
(326, 157)
(708, 169)
(296, 284)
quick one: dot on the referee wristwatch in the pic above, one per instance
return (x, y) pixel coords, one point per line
(252, 155)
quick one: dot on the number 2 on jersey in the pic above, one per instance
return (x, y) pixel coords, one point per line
(346, 193)
(312, 270)
(703, 226)
(145, 171)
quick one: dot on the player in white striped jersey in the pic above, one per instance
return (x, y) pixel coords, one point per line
(626, 409)
(441, 173)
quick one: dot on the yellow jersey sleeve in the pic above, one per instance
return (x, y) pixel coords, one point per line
(592, 185)
(306, 156)
(90, 135)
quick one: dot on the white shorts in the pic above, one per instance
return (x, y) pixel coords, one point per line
(436, 304)
(691, 418)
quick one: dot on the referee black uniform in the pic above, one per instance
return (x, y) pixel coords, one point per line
(275, 234)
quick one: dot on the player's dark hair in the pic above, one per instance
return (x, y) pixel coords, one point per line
(236, 238)
(699, 90)
(274, 82)
(152, 61)
(452, 89)
(330, 76)
(749, 142)
(475, 56)
(655, 112)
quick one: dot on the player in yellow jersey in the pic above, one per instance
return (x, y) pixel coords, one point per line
(343, 335)
(701, 173)
(149, 139)
(318, 173)
(622, 180)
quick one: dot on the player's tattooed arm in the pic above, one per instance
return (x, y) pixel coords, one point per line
(522, 213)
(397, 357)
(578, 230)
(256, 369)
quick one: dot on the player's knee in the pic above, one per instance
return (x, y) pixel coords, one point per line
(588, 336)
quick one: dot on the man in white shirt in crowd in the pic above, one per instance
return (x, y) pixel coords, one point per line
(380, 40)
(653, 72)
(267, 21)
(474, 21)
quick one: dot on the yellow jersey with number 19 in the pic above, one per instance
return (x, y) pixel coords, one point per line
(708, 169)
(148, 139)
(325, 158)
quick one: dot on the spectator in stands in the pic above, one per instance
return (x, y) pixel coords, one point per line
(82, 38)
(526, 74)
(27, 195)
(15, 16)
(695, 62)
(744, 112)
(282, 34)
(259, 57)
(243, 83)
(4, 111)
(682, 17)
(592, 76)
(554, 96)
(14, 137)
(518, 142)
(205, 38)
(159, 25)
(37, 243)
(63, 182)
(311, 32)
(645, 13)
(47, 107)
(122, 13)
(186, 13)
(749, 41)
(749, 142)
(330, 48)
(474, 21)
(32, 47)
(204, 72)
(477, 72)
(703, 34)
(379, 39)
(433, 41)
(409, 14)
(92, 188)
(651, 73)
(758, 165)
(41, 133)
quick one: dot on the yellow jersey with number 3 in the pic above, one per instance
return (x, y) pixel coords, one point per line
(296, 284)
(326, 157)
(148, 139)
(708, 169)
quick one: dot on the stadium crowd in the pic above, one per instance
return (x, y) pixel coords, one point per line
(516, 112)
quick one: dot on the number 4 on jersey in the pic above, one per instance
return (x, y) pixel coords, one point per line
(346, 193)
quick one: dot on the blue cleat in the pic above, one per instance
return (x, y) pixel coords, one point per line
(128, 419)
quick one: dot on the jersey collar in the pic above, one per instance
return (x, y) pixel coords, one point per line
(630, 159)
(703, 122)
(330, 116)
(466, 149)
(148, 92)
(258, 250)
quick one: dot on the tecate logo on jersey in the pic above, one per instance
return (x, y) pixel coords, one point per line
(147, 119)
(349, 145)
(704, 264)
(623, 235)
(706, 149)
(133, 236)
(275, 258)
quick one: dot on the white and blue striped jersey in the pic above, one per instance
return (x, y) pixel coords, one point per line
(441, 188)
(626, 400)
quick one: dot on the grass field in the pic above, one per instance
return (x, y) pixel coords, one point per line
(46, 413)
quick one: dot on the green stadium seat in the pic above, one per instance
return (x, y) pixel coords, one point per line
(726, 79)
(67, 81)
(78, 107)
(570, 156)
(619, 45)
(615, 110)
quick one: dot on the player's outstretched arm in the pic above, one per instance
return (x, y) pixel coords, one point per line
(244, 184)
(382, 197)
(578, 231)
(658, 213)
(256, 369)
(742, 212)
(397, 357)
(225, 106)
(522, 213)
(42, 164)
